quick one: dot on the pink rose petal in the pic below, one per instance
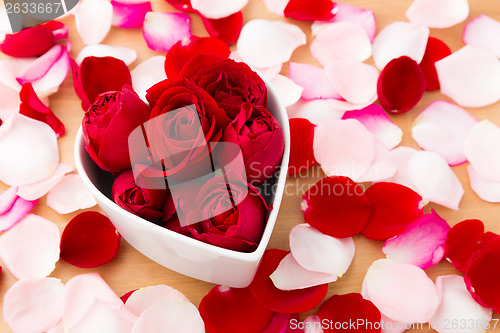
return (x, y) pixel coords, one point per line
(482, 149)
(400, 39)
(93, 20)
(143, 298)
(29, 151)
(39, 251)
(59, 328)
(103, 317)
(356, 82)
(33, 304)
(125, 54)
(344, 147)
(343, 105)
(148, 73)
(382, 167)
(442, 128)
(318, 252)
(38, 189)
(312, 324)
(438, 13)
(290, 275)
(421, 244)
(483, 32)
(341, 41)
(7, 199)
(470, 76)
(129, 14)
(379, 124)
(486, 189)
(288, 91)
(457, 305)
(434, 179)
(217, 9)
(16, 212)
(10, 69)
(162, 30)
(314, 81)
(264, 43)
(70, 195)
(9, 101)
(402, 155)
(315, 111)
(276, 6)
(402, 292)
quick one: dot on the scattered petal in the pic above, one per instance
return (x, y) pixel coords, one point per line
(484, 188)
(438, 14)
(103, 317)
(443, 128)
(128, 14)
(125, 54)
(31, 42)
(462, 243)
(301, 145)
(402, 155)
(39, 253)
(470, 76)
(147, 74)
(314, 81)
(264, 43)
(143, 298)
(37, 190)
(93, 20)
(182, 5)
(16, 212)
(435, 51)
(482, 149)
(281, 322)
(303, 11)
(288, 91)
(316, 111)
(276, 6)
(70, 195)
(59, 30)
(343, 105)
(7, 199)
(312, 324)
(162, 30)
(382, 167)
(217, 9)
(127, 295)
(483, 32)
(228, 28)
(400, 39)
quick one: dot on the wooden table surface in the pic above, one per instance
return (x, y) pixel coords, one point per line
(130, 269)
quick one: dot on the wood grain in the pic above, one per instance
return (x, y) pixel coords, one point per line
(131, 270)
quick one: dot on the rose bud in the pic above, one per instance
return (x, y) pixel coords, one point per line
(143, 202)
(107, 125)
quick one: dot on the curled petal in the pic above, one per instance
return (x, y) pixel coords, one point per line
(141, 299)
(438, 14)
(93, 20)
(483, 32)
(463, 242)
(400, 39)
(301, 145)
(162, 30)
(127, 14)
(31, 42)
(482, 150)
(147, 74)
(314, 81)
(264, 43)
(16, 212)
(316, 111)
(39, 189)
(125, 54)
(382, 167)
(470, 76)
(39, 253)
(442, 128)
(401, 156)
(421, 244)
(69, 195)
(303, 11)
(217, 9)
(287, 89)
(486, 189)
(341, 41)
(227, 28)
(435, 51)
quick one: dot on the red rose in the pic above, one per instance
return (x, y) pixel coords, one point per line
(107, 125)
(229, 82)
(145, 203)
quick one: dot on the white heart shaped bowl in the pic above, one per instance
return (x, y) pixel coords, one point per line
(177, 252)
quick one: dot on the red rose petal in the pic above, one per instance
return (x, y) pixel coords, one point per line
(463, 241)
(350, 308)
(233, 310)
(89, 240)
(184, 51)
(59, 30)
(301, 145)
(302, 10)
(32, 106)
(125, 296)
(336, 206)
(436, 50)
(293, 301)
(181, 5)
(228, 28)
(32, 42)
(394, 207)
(401, 85)
(281, 322)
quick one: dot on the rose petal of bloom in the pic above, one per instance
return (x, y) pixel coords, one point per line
(402, 292)
(318, 252)
(394, 207)
(93, 20)
(89, 240)
(147, 74)
(421, 244)
(129, 14)
(15, 212)
(233, 309)
(301, 145)
(337, 207)
(264, 43)
(483, 187)
(288, 91)
(227, 28)
(29, 151)
(483, 32)
(462, 243)
(382, 167)
(141, 299)
(482, 275)
(434, 179)
(303, 11)
(162, 30)
(379, 124)
(442, 127)
(343, 147)
(316, 111)
(39, 299)
(457, 305)
(438, 14)
(31, 42)
(401, 156)
(350, 308)
(102, 317)
(314, 81)
(125, 54)
(400, 39)
(435, 51)
(38, 189)
(356, 82)
(290, 275)
(181, 5)
(401, 85)
(470, 76)
(341, 41)
(70, 195)
(294, 301)
(39, 253)
(482, 150)
(281, 322)
(217, 9)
